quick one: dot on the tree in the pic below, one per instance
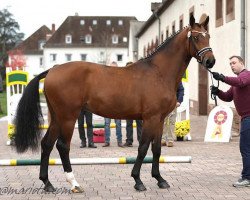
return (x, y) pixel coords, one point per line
(9, 35)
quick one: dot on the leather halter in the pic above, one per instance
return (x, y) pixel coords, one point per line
(201, 52)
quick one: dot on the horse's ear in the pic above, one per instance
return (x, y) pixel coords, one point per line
(191, 20)
(205, 23)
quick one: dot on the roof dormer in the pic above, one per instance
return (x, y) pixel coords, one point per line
(68, 39)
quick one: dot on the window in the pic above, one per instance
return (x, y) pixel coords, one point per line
(173, 27)
(83, 57)
(52, 57)
(115, 39)
(41, 61)
(161, 37)
(68, 39)
(82, 38)
(108, 22)
(102, 57)
(181, 22)
(230, 10)
(167, 32)
(120, 22)
(41, 44)
(219, 13)
(68, 57)
(124, 39)
(94, 22)
(119, 57)
(82, 22)
(144, 52)
(88, 39)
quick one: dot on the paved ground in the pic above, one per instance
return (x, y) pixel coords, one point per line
(214, 168)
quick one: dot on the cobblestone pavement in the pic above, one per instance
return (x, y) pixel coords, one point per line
(214, 167)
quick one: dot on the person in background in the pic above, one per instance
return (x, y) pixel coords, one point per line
(129, 128)
(239, 92)
(88, 115)
(118, 126)
(169, 122)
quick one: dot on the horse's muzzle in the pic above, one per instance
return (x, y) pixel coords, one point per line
(209, 62)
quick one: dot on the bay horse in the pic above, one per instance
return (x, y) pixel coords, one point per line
(144, 90)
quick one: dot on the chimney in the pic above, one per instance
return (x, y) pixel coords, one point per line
(155, 6)
(53, 28)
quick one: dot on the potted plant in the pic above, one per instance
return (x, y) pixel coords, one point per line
(182, 128)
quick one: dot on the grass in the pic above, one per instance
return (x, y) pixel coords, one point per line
(3, 104)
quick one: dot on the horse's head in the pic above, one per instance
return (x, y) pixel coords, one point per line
(199, 42)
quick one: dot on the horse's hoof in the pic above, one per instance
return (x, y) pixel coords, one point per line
(140, 187)
(163, 185)
(49, 187)
(77, 189)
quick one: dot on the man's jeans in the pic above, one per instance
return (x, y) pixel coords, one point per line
(118, 130)
(245, 147)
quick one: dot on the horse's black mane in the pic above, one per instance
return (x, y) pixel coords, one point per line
(163, 44)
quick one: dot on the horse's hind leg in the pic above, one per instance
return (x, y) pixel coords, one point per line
(63, 146)
(156, 149)
(142, 151)
(47, 144)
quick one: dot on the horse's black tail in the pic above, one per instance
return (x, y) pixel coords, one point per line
(29, 117)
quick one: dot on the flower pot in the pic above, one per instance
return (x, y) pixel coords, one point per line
(179, 138)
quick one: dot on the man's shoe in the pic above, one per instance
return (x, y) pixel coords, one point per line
(170, 144)
(83, 145)
(106, 144)
(119, 144)
(126, 144)
(92, 145)
(163, 143)
(242, 183)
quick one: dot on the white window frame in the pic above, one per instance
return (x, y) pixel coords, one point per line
(120, 22)
(119, 60)
(83, 55)
(41, 44)
(82, 22)
(115, 39)
(68, 57)
(88, 39)
(52, 57)
(108, 22)
(68, 39)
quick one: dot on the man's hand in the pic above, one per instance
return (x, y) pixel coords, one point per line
(214, 90)
(177, 104)
(219, 77)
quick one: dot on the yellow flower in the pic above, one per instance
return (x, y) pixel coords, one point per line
(182, 128)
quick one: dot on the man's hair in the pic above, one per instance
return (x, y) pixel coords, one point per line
(239, 58)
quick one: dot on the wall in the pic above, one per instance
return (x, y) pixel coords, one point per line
(93, 55)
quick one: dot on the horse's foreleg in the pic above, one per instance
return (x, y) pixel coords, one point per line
(63, 146)
(142, 151)
(156, 149)
(47, 144)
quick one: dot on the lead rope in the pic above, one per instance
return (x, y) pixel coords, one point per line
(212, 95)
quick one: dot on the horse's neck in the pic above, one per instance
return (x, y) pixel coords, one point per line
(174, 59)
